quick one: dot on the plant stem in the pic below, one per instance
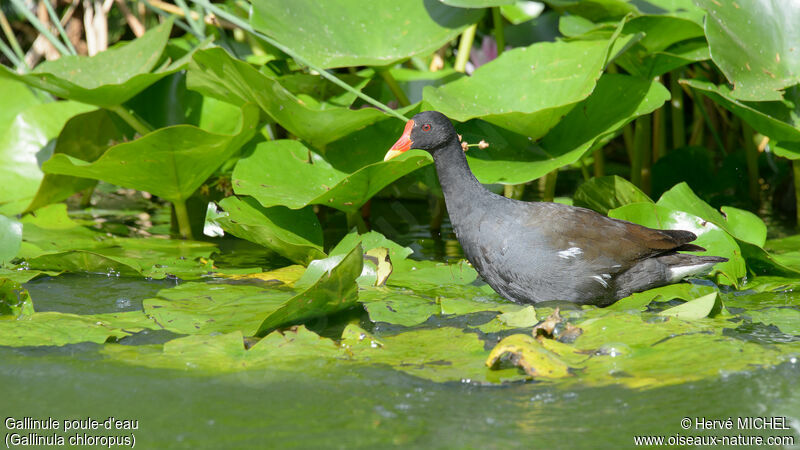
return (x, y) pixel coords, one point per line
(86, 197)
(599, 163)
(640, 166)
(698, 100)
(499, 33)
(393, 86)
(464, 47)
(195, 22)
(20, 7)
(247, 27)
(130, 118)
(549, 188)
(627, 138)
(514, 191)
(12, 40)
(354, 220)
(184, 225)
(52, 13)
(659, 135)
(751, 158)
(10, 54)
(677, 108)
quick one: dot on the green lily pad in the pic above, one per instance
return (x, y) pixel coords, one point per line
(477, 3)
(640, 300)
(170, 162)
(294, 234)
(85, 137)
(398, 308)
(287, 350)
(512, 158)
(54, 328)
(215, 73)
(694, 309)
(559, 73)
(107, 79)
(333, 290)
(203, 308)
(271, 172)
(528, 354)
(606, 193)
(756, 52)
(787, 319)
(24, 145)
(713, 238)
(328, 38)
(745, 225)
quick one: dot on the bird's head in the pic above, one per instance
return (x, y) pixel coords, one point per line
(428, 130)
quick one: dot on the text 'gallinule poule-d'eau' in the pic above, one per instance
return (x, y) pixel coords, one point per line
(533, 252)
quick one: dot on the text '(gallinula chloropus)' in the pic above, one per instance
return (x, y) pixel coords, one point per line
(533, 252)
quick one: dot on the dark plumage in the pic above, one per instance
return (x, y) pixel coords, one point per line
(533, 252)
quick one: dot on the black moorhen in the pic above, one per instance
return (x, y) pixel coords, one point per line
(533, 252)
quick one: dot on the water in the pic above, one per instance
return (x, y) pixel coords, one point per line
(342, 405)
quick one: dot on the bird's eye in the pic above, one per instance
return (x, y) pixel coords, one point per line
(426, 127)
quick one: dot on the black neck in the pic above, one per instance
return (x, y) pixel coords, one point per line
(459, 185)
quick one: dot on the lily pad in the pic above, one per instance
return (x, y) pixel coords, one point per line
(24, 145)
(694, 309)
(404, 309)
(758, 68)
(714, 239)
(527, 353)
(477, 3)
(512, 158)
(54, 328)
(501, 92)
(170, 162)
(215, 73)
(271, 172)
(323, 32)
(295, 234)
(606, 193)
(15, 301)
(10, 239)
(107, 79)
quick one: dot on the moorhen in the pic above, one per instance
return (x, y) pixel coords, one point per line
(533, 252)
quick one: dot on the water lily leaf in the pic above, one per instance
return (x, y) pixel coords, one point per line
(203, 308)
(773, 119)
(667, 42)
(683, 291)
(441, 354)
(745, 225)
(17, 98)
(107, 79)
(758, 68)
(295, 234)
(334, 290)
(170, 162)
(561, 73)
(477, 3)
(10, 239)
(528, 354)
(328, 38)
(288, 350)
(85, 137)
(694, 309)
(24, 146)
(215, 73)
(86, 261)
(714, 239)
(404, 309)
(461, 306)
(271, 172)
(606, 193)
(512, 158)
(15, 301)
(787, 319)
(54, 328)
(429, 274)
(525, 317)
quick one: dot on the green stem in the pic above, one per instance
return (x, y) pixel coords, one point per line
(549, 191)
(393, 86)
(499, 33)
(627, 137)
(659, 135)
(751, 158)
(418, 63)
(9, 54)
(514, 191)
(438, 209)
(52, 13)
(698, 100)
(181, 213)
(86, 197)
(20, 7)
(677, 110)
(198, 29)
(241, 23)
(599, 163)
(464, 47)
(12, 40)
(640, 166)
(354, 220)
(130, 118)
